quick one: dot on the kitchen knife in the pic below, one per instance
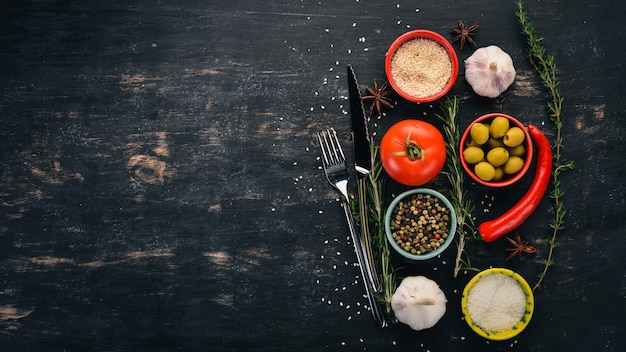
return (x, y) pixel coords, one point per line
(363, 166)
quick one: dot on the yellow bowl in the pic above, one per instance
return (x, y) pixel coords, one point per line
(519, 326)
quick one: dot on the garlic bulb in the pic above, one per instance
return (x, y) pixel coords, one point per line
(418, 302)
(489, 71)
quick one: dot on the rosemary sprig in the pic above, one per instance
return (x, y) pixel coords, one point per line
(375, 187)
(544, 65)
(454, 172)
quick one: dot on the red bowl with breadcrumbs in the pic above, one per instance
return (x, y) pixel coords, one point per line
(421, 66)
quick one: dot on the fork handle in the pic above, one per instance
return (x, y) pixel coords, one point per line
(360, 255)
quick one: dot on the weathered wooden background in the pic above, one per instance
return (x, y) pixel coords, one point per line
(161, 188)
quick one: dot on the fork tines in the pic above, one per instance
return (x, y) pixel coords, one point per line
(331, 149)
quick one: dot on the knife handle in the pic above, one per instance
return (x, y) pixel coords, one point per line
(366, 240)
(377, 312)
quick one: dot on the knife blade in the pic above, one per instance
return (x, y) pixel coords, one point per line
(360, 133)
(363, 166)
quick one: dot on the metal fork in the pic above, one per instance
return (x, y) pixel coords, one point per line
(334, 162)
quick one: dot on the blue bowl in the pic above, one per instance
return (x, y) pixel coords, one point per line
(407, 195)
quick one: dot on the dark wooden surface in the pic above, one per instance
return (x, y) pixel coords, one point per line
(161, 188)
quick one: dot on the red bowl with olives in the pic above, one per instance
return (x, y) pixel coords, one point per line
(496, 150)
(420, 224)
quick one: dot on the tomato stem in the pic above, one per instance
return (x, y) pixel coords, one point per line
(413, 150)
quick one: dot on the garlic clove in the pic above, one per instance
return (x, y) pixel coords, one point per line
(489, 71)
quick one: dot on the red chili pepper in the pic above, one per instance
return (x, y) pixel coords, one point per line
(509, 221)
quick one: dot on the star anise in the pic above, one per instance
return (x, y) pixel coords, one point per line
(380, 97)
(464, 33)
(519, 246)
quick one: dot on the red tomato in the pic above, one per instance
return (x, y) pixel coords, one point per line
(413, 152)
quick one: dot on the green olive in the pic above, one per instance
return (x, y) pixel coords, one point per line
(497, 156)
(495, 142)
(499, 126)
(487, 124)
(484, 171)
(499, 175)
(513, 137)
(470, 143)
(479, 133)
(473, 155)
(513, 165)
(520, 150)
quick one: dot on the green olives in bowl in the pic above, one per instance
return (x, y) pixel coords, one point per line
(496, 150)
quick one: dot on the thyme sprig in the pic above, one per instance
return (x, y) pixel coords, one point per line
(375, 187)
(544, 65)
(454, 172)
